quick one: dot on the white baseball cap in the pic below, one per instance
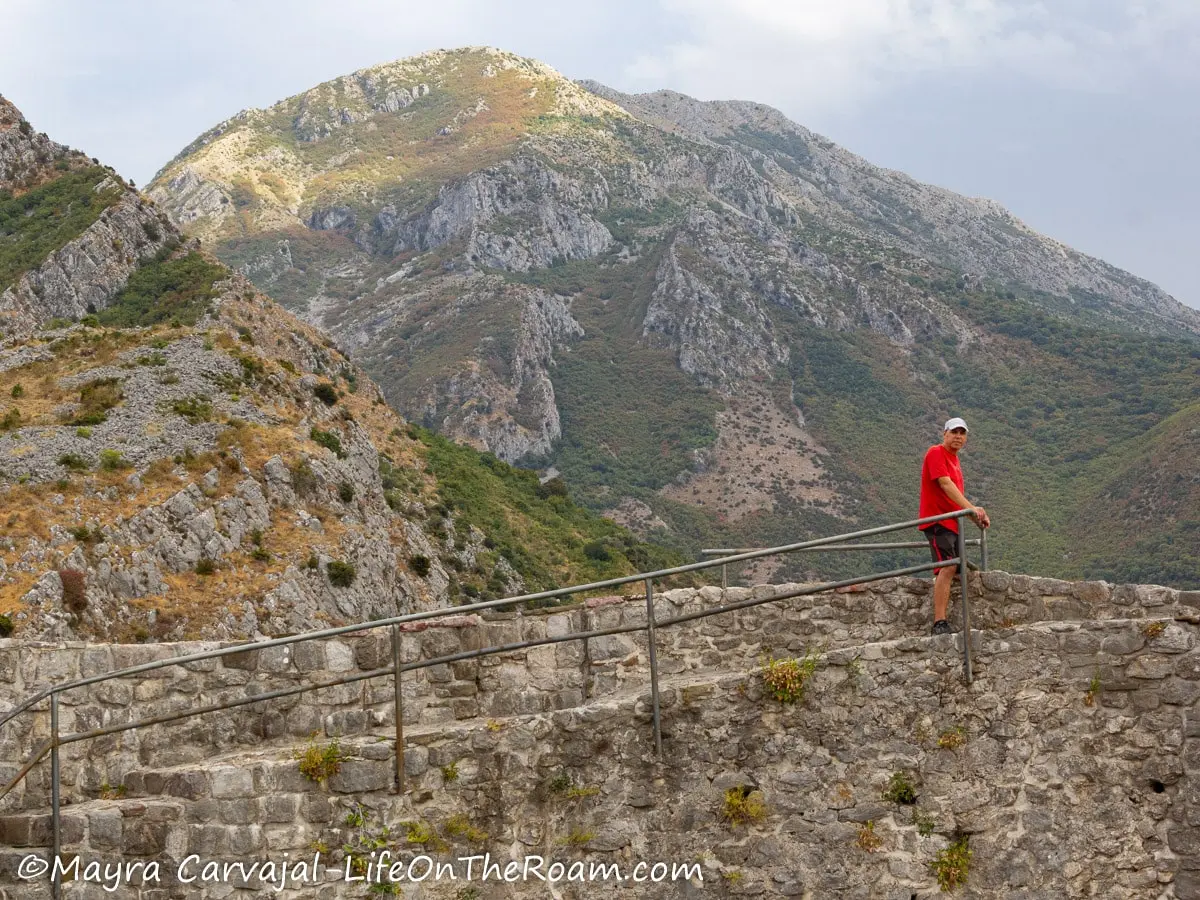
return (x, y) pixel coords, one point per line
(956, 422)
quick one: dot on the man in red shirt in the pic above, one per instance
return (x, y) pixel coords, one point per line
(942, 492)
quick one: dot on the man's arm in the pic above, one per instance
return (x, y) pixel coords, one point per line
(978, 513)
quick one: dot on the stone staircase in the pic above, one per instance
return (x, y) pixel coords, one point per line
(1066, 761)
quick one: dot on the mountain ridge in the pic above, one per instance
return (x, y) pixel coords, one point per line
(517, 275)
(181, 457)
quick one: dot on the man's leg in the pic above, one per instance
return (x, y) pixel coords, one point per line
(941, 592)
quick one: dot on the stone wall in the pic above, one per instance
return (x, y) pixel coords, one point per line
(1068, 762)
(535, 680)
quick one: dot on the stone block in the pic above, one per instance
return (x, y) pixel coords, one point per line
(186, 785)
(275, 659)
(105, 829)
(1149, 666)
(372, 651)
(238, 812)
(278, 808)
(1123, 643)
(308, 656)
(416, 761)
(229, 782)
(246, 661)
(339, 657)
(358, 776)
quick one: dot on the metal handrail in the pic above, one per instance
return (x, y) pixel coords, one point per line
(395, 623)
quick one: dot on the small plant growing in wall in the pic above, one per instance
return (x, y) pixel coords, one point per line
(424, 835)
(743, 805)
(6, 626)
(1093, 691)
(577, 837)
(924, 823)
(952, 865)
(952, 738)
(867, 839)
(450, 772)
(320, 762)
(458, 825)
(786, 679)
(1154, 629)
(901, 790)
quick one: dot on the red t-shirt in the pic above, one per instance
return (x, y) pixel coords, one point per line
(938, 462)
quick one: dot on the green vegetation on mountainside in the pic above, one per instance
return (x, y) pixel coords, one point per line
(165, 290)
(543, 534)
(38, 222)
(630, 417)
(1058, 412)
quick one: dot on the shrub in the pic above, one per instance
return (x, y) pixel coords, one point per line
(743, 805)
(17, 392)
(554, 487)
(195, 409)
(96, 398)
(205, 566)
(900, 790)
(420, 565)
(112, 461)
(346, 492)
(304, 479)
(786, 679)
(86, 535)
(595, 550)
(74, 590)
(6, 626)
(74, 462)
(326, 393)
(83, 431)
(341, 574)
(11, 420)
(329, 441)
(952, 865)
(320, 762)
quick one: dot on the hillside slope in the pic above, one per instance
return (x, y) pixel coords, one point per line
(181, 457)
(718, 326)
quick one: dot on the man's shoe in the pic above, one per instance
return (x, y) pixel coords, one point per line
(941, 626)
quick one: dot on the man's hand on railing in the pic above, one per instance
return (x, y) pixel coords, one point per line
(980, 517)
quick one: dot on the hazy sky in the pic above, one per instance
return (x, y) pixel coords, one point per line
(1081, 116)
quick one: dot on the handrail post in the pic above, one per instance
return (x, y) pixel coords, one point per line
(983, 561)
(724, 583)
(653, 643)
(55, 800)
(398, 703)
(968, 673)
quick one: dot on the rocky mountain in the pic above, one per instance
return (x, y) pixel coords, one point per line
(181, 457)
(717, 325)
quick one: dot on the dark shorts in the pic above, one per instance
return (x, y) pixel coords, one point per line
(943, 543)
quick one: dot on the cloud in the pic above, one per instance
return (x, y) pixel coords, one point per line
(822, 56)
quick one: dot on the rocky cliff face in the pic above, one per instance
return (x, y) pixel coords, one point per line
(514, 257)
(179, 456)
